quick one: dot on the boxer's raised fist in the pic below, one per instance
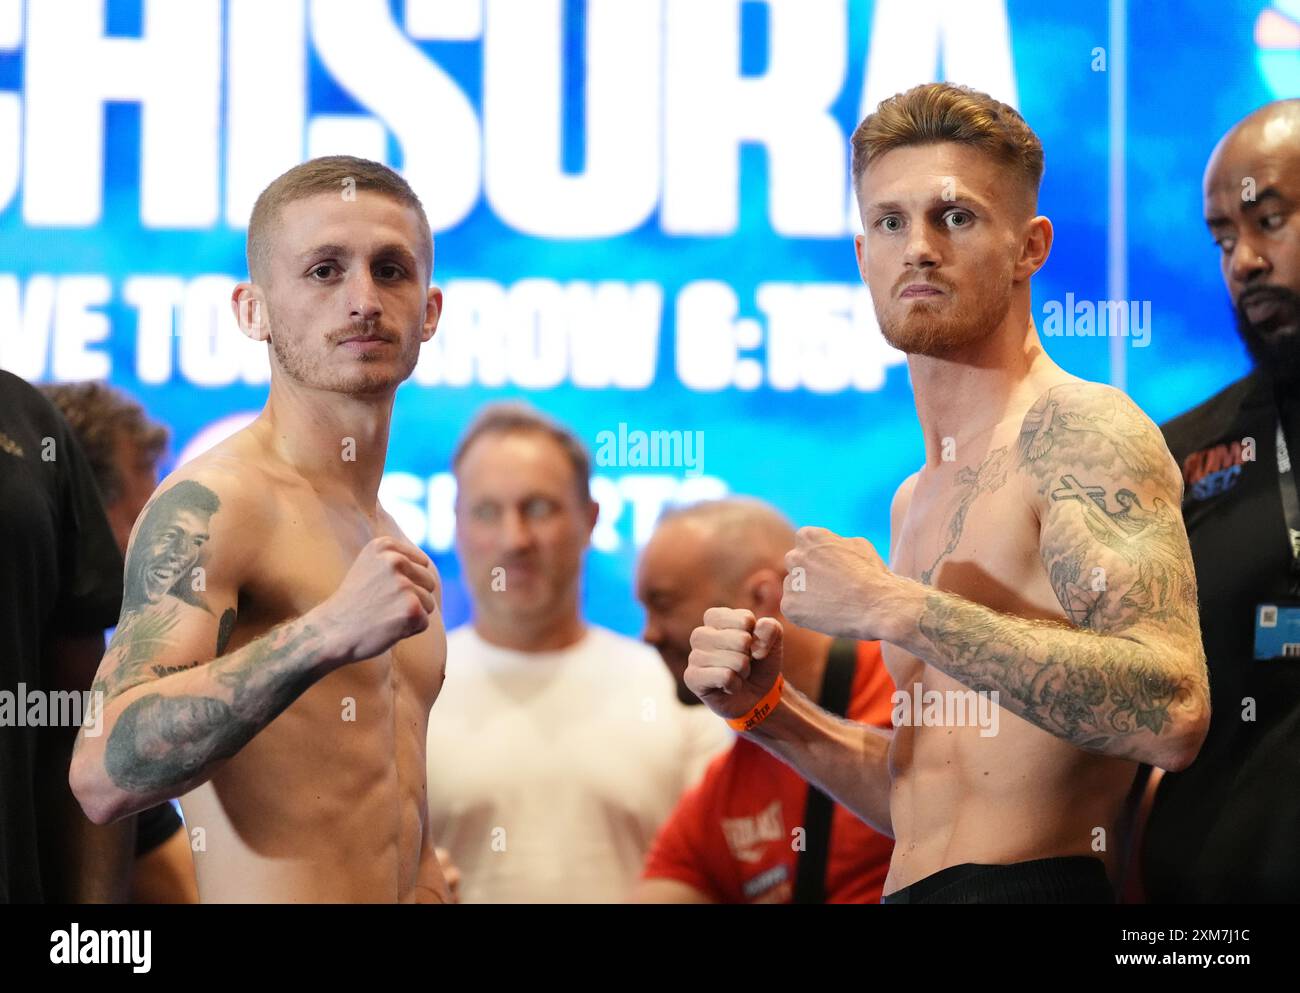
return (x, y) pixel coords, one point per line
(386, 596)
(734, 660)
(838, 586)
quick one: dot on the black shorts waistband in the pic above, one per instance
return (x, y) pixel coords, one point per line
(1063, 879)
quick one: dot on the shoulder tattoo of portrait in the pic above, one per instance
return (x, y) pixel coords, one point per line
(168, 555)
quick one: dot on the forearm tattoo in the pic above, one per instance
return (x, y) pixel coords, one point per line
(1088, 689)
(163, 741)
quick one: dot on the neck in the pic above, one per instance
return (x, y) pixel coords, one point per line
(550, 634)
(964, 393)
(333, 440)
(803, 658)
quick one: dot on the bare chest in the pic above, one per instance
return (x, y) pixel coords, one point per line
(969, 530)
(302, 564)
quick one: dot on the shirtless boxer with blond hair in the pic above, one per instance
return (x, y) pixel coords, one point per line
(280, 643)
(1038, 554)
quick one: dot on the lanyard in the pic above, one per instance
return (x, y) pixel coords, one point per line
(1290, 499)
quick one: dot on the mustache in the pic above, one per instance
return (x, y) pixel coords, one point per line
(1255, 294)
(362, 331)
(526, 559)
(904, 282)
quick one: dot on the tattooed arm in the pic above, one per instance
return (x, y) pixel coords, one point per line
(1129, 680)
(175, 703)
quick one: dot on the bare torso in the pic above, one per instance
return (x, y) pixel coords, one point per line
(327, 803)
(960, 795)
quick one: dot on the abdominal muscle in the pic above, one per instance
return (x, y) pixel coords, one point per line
(959, 796)
(312, 809)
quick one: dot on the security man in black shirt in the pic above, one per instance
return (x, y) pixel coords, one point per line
(60, 587)
(1227, 829)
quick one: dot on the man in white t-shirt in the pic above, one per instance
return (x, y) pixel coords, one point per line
(557, 747)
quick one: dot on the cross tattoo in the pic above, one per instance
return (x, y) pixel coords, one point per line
(1074, 490)
(1093, 499)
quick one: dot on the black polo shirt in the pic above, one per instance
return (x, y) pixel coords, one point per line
(60, 573)
(1228, 827)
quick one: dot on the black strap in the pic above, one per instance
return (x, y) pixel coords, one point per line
(810, 871)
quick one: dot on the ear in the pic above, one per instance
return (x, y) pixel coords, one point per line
(432, 312)
(761, 592)
(249, 306)
(860, 251)
(1035, 248)
(593, 515)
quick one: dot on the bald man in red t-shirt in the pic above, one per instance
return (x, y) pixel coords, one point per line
(736, 836)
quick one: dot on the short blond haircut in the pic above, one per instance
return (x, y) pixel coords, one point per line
(941, 112)
(335, 174)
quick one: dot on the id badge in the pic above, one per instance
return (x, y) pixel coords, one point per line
(1277, 631)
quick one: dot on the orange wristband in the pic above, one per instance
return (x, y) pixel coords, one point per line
(761, 709)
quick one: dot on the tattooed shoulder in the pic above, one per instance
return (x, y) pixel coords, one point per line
(166, 590)
(1113, 541)
(168, 555)
(1092, 428)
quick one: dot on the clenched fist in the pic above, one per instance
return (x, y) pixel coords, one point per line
(838, 586)
(734, 660)
(387, 595)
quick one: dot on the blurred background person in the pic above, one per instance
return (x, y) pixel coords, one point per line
(557, 747)
(124, 448)
(60, 589)
(1226, 829)
(735, 837)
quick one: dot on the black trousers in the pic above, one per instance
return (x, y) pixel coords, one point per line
(1071, 879)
